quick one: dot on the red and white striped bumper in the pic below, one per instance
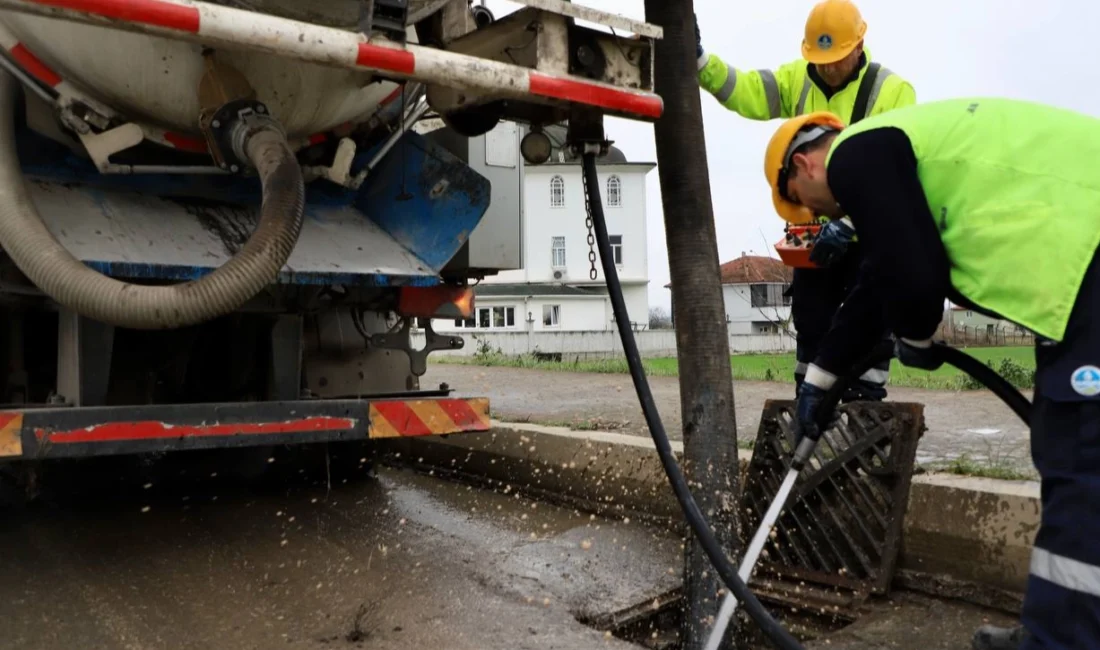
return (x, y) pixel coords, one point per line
(216, 25)
(99, 431)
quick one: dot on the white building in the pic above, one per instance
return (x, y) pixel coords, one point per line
(753, 289)
(553, 291)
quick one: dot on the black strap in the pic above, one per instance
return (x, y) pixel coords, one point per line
(859, 111)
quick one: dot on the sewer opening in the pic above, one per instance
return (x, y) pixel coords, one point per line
(656, 625)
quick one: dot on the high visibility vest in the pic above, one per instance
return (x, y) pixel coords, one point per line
(788, 91)
(1015, 194)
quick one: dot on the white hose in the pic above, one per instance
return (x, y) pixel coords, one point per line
(748, 563)
(54, 270)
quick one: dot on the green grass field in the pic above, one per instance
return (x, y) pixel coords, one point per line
(1017, 364)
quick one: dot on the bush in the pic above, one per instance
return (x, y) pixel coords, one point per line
(966, 382)
(1013, 371)
(1016, 374)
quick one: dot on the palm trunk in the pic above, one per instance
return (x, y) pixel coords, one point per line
(706, 385)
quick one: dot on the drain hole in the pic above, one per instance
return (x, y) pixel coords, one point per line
(656, 625)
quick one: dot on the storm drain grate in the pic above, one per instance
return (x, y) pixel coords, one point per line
(837, 540)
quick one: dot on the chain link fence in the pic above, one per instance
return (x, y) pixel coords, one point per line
(984, 335)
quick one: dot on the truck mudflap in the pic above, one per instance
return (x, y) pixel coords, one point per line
(115, 430)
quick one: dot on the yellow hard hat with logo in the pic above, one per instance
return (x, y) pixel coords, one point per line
(833, 30)
(791, 135)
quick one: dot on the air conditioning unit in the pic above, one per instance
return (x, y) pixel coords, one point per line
(560, 274)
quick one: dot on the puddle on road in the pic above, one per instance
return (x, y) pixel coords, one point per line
(439, 504)
(537, 551)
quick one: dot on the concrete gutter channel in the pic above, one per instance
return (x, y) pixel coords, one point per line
(965, 538)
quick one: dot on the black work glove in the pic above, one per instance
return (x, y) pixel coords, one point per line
(832, 243)
(698, 40)
(805, 413)
(917, 354)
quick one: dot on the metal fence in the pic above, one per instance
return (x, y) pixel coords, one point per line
(986, 335)
(571, 346)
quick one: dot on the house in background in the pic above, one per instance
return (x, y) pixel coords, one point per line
(960, 323)
(553, 291)
(753, 290)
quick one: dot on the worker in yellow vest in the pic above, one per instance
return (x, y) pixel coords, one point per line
(835, 74)
(993, 204)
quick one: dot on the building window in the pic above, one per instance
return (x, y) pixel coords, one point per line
(466, 322)
(614, 192)
(551, 315)
(767, 295)
(758, 295)
(557, 192)
(764, 328)
(616, 248)
(491, 318)
(557, 252)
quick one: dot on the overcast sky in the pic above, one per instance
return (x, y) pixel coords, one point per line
(1005, 48)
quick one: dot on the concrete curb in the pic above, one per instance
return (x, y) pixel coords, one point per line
(958, 530)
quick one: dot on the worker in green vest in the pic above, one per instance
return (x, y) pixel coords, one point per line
(835, 74)
(995, 205)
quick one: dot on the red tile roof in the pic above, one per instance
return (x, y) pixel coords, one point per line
(750, 269)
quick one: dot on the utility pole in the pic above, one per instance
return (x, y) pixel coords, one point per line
(702, 344)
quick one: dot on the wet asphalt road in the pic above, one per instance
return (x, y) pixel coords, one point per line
(194, 551)
(183, 554)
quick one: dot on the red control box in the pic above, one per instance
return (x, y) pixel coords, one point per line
(794, 249)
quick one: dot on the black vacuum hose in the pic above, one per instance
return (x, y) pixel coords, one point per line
(776, 632)
(725, 569)
(989, 377)
(985, 375)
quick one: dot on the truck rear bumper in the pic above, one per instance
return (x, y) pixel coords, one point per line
(101, 431)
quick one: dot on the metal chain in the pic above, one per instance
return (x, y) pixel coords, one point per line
(588, 223)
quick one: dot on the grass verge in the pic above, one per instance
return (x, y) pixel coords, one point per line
(983, 468)
(1017, 364)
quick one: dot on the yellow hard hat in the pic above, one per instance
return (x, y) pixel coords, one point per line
(833, 30)
(791, 135)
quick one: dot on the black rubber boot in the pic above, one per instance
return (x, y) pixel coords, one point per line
(991, 637)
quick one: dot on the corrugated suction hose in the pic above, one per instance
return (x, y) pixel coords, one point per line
(54, 270)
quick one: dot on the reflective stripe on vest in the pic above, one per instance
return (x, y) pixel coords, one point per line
(801, 108)
(877, 88)
(863, 103)
(879, 75)
(771, 92)
(726, 91)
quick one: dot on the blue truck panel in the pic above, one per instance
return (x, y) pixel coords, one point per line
(408, 219)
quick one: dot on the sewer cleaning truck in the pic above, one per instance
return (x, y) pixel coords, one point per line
(219, 228)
